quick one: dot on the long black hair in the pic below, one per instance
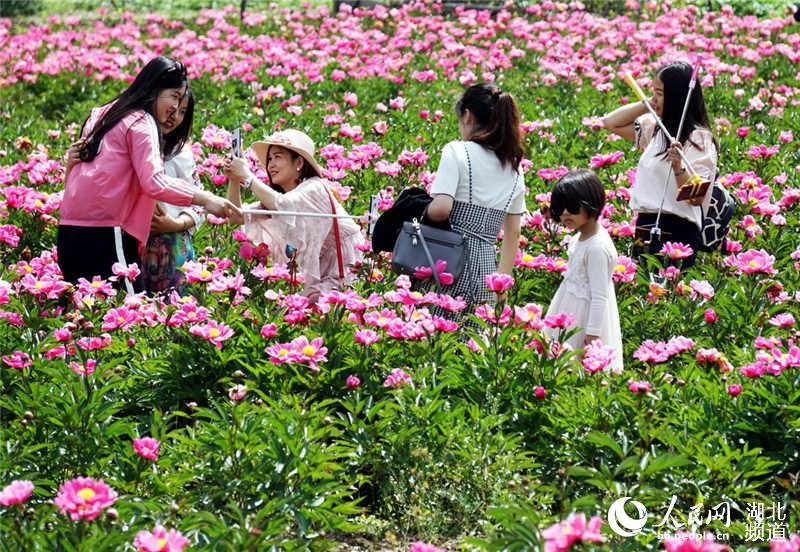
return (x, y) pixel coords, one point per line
(159, 74)
(676, 76)
(177, 138)
(497, 116)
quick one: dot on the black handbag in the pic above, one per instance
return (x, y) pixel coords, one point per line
(420, 245)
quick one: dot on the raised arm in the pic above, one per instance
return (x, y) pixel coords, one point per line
(620, 121)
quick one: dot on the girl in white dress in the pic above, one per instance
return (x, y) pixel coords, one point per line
(587, 291)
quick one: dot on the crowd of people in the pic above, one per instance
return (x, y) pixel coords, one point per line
(131, 195)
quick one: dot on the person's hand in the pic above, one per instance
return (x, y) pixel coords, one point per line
(696, 201)
(589, 339)
(221, 207)
(74, 152)
(162, 223)
(674, 156)
(238, 169)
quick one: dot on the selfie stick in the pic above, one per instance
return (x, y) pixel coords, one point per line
(301, 214)
(640, 94)
(692, 83)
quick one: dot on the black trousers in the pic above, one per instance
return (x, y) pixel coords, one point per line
(87, 251)
(673, 229)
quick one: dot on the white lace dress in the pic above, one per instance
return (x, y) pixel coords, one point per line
(587, 293)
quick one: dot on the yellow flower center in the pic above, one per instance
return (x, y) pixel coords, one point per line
(214, 332)
(283, 352)
(309, 350)
(95, 284)
(205, 274)
(527, 258)
(120, 320)
(560, 263)
(38, 285)
(382, 320)
(752, 264)
(162, 543)
(619, 268)
(86, 494)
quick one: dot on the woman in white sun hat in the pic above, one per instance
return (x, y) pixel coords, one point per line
(324, 247)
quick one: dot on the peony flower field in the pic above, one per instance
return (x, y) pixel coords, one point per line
(244, 417)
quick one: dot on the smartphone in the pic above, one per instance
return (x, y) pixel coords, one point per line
(236, 142)
(373, 214)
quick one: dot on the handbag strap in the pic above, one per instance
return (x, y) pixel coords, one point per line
(420, 235)
(486, 209)
(336, 235)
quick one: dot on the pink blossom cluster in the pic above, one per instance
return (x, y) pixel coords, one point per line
(657, 352)
(562, 535)
(299, 351)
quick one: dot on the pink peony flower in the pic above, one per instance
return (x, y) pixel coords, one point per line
(280, 353)
(131, 272)
(352, 381)
(215, 137)
(269, 330)
(397, 379)
(753, 261)
(499, 282)
(147, 448)
(16, 492)
(605, 159)
(598, 357)
(424, 547)
(560, 320)
(311, 352)
(762, 151)
(624, 270)
(425, 272)
(734, 389)
(160, 540)
(640, 387)
(366, 337)
(792, 544)
(84, 498)
(539, 392)
(675, 250)
(710, 316)
(562, 535)
(85, 368)
(215, 332)
(782, 320)
(18, 360)
(237, 392)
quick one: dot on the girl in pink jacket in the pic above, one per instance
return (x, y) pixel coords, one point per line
(111, 193)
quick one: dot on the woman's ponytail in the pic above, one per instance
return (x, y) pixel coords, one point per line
(497, 117)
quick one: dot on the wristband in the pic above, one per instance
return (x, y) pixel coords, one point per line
(247, 183)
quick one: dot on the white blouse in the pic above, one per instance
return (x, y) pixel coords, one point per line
(182, 166)
(493, 184)
(655, 181)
